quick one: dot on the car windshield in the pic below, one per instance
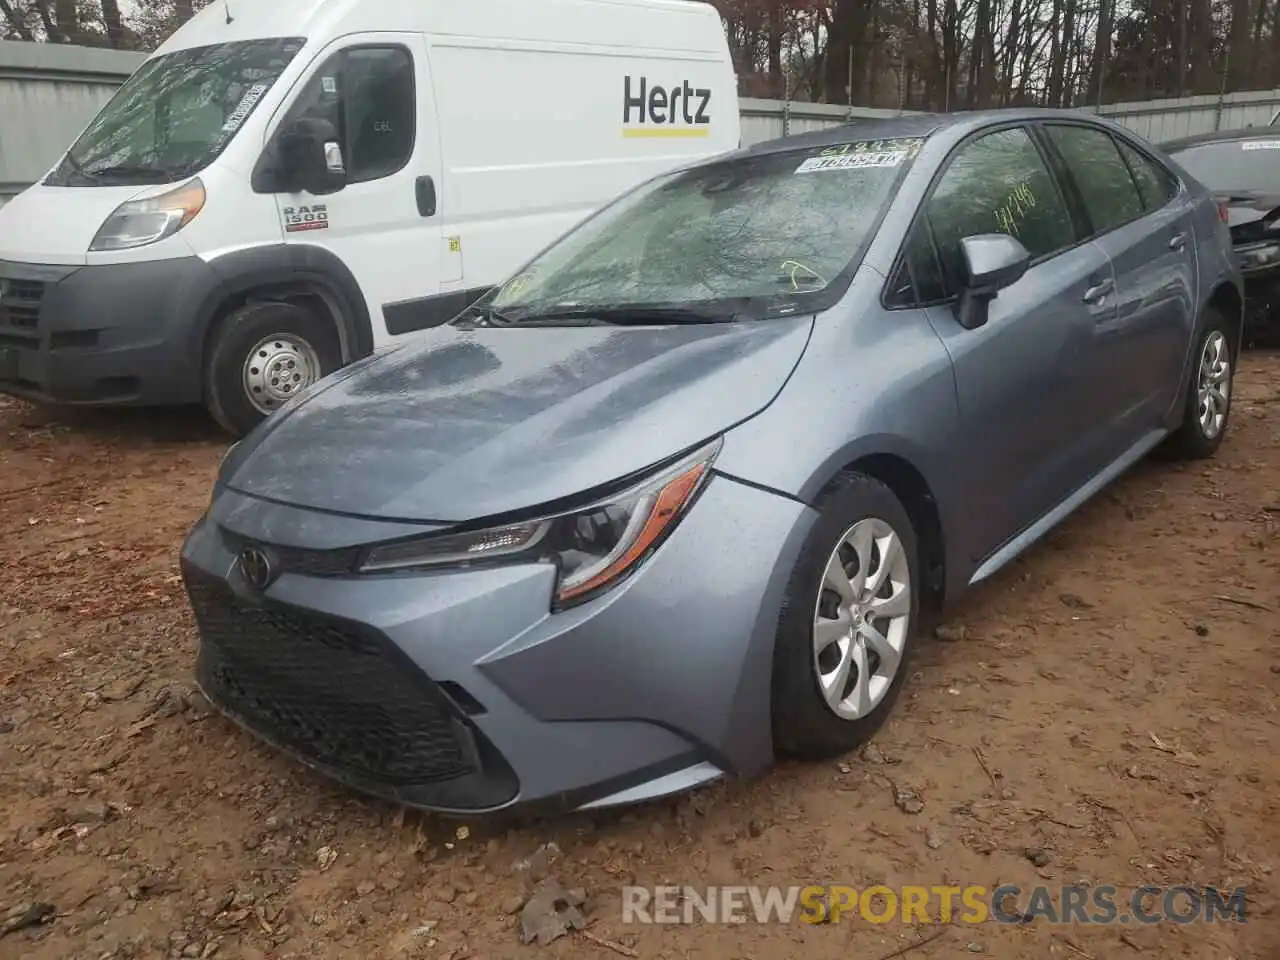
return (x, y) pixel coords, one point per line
(754, 235)
(1249, 166)
(175, 115)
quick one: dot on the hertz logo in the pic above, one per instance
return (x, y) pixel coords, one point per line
(652, 110)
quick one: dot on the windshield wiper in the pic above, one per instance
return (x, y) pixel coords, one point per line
(133, 171)
(75, 164)
(637, 315)
(487, 316)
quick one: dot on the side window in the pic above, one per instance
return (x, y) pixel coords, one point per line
(925, 268)
(368, 94)
(997, 184)
(1155, 185)
(381, 112)
(919, 275)
(1100, 174)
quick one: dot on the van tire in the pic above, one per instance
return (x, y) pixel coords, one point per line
(307, 349)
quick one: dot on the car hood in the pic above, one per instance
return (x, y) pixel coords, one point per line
(473, 424)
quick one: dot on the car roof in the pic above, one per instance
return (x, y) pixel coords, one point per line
(1222, 136)
(912, 125)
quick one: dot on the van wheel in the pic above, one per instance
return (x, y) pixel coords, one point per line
(262, 356)
(847, 623)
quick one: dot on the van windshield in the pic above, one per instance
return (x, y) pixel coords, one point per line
(175, 115)
(748, 236)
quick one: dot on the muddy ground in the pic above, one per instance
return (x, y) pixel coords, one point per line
(1108, 714)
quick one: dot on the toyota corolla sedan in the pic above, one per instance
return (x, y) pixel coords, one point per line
(673, 500)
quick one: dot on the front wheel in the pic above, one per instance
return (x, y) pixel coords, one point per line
(262, 356)
(1207, 411)
(846, 628)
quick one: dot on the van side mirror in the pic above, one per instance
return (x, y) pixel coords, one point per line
(309, 158)
(993, 261)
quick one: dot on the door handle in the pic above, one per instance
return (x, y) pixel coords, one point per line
(1178, 242)
(1098, 292)
(424, 190)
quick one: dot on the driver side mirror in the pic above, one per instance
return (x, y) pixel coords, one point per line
(993, 261)
(309, 158)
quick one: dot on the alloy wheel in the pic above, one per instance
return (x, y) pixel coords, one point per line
(1213, 384)
(862, 618)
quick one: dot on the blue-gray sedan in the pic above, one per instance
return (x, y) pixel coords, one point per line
(673, 500)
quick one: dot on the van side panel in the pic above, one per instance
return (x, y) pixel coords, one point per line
(537, 134)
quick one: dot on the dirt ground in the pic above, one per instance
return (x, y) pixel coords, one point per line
(1108, 714)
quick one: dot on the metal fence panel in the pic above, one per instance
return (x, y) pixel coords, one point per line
(48, 92)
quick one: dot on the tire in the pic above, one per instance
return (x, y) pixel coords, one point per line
(1197, 437)
(290, 340)
(804, 725)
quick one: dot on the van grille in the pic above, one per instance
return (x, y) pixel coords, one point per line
(20, 303)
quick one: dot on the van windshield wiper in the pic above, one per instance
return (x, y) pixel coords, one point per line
(638, 315)
(133, 171)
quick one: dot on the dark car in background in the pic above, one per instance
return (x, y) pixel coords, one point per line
(1242, 169)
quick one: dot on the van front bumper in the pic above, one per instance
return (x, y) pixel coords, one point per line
(119, 334)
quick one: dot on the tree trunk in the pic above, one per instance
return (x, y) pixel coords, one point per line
(1101, 51)
(112, 21)
(68, 16)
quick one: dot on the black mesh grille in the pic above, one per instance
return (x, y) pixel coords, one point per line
(333, 694)
(20, 303)
(312, 563)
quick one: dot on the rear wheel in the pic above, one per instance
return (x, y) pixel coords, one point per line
(262, 356)
(1207, 412)
(845, 633)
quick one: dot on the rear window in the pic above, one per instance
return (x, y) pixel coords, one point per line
(1234, 165)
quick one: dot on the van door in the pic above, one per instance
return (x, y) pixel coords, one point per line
(385, 223)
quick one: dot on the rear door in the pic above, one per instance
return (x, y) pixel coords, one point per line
(1023, 379)
(376, 90)
(1138, 216)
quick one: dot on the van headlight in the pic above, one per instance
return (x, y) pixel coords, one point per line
(594, 547)
(141, 222)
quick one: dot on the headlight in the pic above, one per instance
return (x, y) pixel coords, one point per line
(140, 222)
(594, 547)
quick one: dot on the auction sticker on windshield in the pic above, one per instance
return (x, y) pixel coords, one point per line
(245, 107)
(862, 155)
(1261, 145)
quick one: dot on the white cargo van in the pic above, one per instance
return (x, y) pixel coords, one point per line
(286, 185)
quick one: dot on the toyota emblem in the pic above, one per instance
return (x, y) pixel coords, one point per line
(256, 567)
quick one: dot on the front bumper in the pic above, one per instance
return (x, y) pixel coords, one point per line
(459, 692)
(122, 334)
(1260, 267)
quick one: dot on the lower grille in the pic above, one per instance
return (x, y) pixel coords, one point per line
(20, 303)
(334, 694)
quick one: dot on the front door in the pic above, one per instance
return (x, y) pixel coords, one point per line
(1023, 380)
(1145, 226)
(384, 225)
